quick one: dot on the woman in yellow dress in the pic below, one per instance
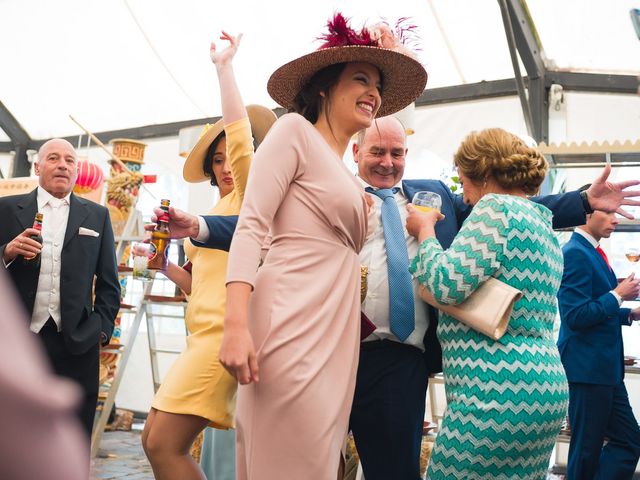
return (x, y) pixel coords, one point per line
(197, 391)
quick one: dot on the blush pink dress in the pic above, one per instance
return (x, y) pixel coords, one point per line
(304, 314)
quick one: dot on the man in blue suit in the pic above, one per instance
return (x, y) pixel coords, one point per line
(389, 403)
(590, 344)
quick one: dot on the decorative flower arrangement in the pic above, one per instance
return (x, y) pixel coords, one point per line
(402, 38)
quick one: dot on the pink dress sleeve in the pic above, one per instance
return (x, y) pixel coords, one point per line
(277, 163)
(41, 437)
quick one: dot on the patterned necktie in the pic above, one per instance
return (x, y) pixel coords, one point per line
(401, 308)
(604, 256)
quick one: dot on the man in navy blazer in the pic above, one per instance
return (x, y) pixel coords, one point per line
(388, 408)
(590, 344)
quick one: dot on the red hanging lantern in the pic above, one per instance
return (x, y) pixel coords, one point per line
(90, 177)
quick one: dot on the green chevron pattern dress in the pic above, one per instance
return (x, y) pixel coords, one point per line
(506, 398)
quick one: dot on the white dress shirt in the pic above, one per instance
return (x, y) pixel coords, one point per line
(55, 215)
(374, 256)
(594, 243)
(203, 232)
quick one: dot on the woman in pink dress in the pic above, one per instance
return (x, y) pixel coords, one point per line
(293, 343)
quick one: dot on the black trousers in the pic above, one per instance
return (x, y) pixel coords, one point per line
(388, 410)
(82, 369)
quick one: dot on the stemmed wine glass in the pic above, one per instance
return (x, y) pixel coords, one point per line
(632, 254)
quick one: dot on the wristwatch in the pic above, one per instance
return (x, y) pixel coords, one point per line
(585, 202)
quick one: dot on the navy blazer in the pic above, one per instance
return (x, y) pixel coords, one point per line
(221, 230)
(590, 340)
(567, 208)
(83, 258)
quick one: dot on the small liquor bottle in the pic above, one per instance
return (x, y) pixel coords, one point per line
(160, 240)
(35, 260)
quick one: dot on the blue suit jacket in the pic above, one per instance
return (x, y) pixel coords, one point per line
(590, 340)
(567, 208)
(221, 230)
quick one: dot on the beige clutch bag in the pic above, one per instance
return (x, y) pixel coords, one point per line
(487, 310)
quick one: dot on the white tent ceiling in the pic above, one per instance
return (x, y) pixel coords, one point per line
(125, 63)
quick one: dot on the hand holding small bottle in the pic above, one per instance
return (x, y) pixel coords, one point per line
(28, 244)
(160, 240)
(181, 223)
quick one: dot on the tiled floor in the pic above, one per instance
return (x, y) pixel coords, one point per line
(121, 457)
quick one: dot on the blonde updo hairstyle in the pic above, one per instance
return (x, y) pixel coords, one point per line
(498, 154)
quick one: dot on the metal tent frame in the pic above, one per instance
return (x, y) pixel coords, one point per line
(533, 90)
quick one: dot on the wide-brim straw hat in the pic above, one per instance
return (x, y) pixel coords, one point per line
(403, 78)
(261, 119)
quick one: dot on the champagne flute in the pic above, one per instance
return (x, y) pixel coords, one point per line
(427, 201)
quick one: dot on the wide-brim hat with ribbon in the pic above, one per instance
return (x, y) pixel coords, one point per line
(403, 77)
(261, 119)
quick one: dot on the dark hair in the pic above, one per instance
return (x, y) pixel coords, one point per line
(308, 102)
(207, 166)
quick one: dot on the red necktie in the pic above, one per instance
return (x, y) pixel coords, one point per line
(604, 256)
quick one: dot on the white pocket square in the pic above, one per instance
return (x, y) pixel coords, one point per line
(88, 231)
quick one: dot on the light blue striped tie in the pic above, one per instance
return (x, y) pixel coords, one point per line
(401, 308)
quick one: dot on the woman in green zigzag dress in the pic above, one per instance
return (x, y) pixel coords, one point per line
(506, 398)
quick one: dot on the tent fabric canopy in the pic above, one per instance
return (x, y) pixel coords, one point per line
(127, 63)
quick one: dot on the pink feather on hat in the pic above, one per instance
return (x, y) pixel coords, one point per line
(341, 34)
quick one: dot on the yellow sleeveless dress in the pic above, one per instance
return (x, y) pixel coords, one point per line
(197, 384)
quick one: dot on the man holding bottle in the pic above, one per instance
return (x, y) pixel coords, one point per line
(77, 246)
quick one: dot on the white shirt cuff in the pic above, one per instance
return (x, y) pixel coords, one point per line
(617, 297)
(203, 234)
